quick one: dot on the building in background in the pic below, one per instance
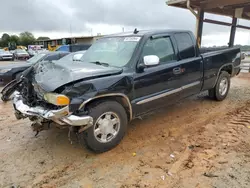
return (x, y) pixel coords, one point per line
(65, 41)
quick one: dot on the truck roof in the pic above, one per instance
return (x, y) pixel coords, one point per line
(146, 32)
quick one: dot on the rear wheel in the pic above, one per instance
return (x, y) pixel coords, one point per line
(221, 89)
(110, 125)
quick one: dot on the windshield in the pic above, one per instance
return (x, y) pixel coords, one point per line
(116, 51)
(36, 58)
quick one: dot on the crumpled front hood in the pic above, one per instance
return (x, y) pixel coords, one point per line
(52, 75)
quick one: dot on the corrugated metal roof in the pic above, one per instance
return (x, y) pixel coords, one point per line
(237, 8)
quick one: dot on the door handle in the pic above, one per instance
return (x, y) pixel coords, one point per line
(177, 70)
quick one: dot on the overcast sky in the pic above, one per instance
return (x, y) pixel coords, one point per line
(64, 18)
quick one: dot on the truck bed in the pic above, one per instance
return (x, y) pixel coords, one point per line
(213, 62)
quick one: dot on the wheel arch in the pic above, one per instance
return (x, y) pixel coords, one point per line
(227, 68)
(119, 97)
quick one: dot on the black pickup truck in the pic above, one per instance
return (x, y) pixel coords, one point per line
(121, 77)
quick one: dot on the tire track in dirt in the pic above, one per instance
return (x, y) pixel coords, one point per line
(215, 135)
(241, 118)
(148, 164)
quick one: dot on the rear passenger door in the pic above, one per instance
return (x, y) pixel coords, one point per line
(190, 64)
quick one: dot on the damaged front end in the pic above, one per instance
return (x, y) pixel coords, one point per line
(43, 117)
(29, 101)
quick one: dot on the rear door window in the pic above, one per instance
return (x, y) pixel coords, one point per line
(185, 45)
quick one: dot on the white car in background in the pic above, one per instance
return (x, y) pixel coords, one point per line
(21, 54)
(6, 55)
(35, 52)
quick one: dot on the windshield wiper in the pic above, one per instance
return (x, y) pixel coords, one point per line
(100, 63)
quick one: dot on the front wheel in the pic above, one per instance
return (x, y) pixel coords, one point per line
(110, 125)
(221, 89)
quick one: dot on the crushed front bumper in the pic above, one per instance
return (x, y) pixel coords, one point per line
(61, 116)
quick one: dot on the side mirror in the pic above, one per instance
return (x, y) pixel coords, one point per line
(148, 61)
(151, 60)
(77, 57)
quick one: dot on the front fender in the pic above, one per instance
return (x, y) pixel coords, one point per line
(105, 96)
(84, 92)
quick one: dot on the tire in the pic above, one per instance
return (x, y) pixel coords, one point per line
(218, 93)
(100, 112)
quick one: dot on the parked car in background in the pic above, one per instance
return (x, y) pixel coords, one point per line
(12, 52)
(10, 72)
(35, 49)
(21, 54)
(73, 47)
(6, 55)
(31, 52)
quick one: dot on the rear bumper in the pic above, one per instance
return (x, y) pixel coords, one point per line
(61, 116)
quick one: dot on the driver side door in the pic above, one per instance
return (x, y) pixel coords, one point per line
(158, 85)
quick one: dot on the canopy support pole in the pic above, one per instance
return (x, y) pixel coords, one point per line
(199, 26)
(233, 31)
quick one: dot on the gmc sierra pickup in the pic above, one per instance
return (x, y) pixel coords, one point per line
(120, 77)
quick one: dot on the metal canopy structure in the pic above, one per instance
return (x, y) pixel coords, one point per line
(233, 8)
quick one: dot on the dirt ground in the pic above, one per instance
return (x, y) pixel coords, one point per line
(196, 143)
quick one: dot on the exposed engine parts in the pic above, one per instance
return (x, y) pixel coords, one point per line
(19, 115)
(39, 126)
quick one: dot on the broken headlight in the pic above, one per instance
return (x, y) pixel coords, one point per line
(57, 99)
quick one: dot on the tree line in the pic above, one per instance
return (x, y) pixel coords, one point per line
(24, 39)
